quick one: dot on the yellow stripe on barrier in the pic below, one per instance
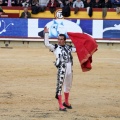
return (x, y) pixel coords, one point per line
(45, 14)
(79, 15)
(11, 11)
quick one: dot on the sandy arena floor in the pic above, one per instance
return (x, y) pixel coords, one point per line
(28, 82)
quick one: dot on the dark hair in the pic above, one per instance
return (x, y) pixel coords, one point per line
(63, 36)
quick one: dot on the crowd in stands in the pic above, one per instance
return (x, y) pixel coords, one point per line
(62, 3)
(37, 6)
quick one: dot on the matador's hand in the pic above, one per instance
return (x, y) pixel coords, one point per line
(46, 30)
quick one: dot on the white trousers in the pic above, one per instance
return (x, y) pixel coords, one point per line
(68, 78)
(64, 78)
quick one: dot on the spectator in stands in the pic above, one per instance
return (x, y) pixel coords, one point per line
(77, 4)
(63, 2)
(5, 2)
(1, 11)
(43, 3)
(35, 3)
(106, 4)
(25, 13)
(97, 4)
(115, 3)
(66, 10)
(37, 7)
(60, 3)
(10, 3)
(25, 3)
(69, 3)
(52, 4)
(1, 2)
(14, 2)
(87, 3)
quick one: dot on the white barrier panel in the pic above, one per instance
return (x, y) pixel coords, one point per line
(32, 29)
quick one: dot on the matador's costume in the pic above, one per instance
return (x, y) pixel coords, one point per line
(64, 63)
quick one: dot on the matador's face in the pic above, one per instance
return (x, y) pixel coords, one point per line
(61, 40)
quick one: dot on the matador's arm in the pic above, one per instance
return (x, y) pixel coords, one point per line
(46, 40)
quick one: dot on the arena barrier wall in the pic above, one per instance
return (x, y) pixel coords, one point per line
(32, 29)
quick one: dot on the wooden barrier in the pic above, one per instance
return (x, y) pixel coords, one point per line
(10, 15)
(14, 12)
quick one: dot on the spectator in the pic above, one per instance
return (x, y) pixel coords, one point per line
(1, 11)
(76, 5)
(14, 3)
(87, 3)
(9, 2)
(60, 3)
(52, 4)
(1, 2)
(97, 4)
(118, 10)
(115, 3)
(35, 3)
(43, 2)
(25, 13)
(106, 4)
(5, 2)
(37, 7)
(25, 3)
(69, 3)
(66, 11)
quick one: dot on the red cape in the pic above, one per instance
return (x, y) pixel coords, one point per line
(85, 47)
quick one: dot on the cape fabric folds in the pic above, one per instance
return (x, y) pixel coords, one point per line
(85, 47)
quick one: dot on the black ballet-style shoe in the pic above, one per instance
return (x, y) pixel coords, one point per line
(62, 109)
(69, 107)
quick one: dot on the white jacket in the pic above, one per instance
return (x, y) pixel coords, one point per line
(78, 4)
